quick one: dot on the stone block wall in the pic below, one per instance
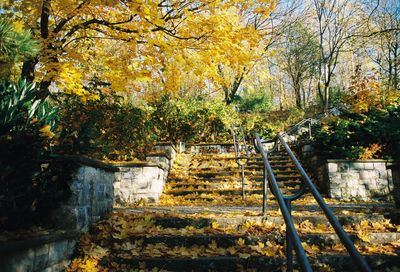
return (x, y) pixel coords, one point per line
(92, 194)
(161, 158)
(141, 180)
(364, 180)
(212, 148)
(350, 179)
(395, 168)
(166, 148)
(50, 253)
(91, 197)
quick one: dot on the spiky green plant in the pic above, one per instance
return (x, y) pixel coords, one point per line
(16, 46)
(20, 109)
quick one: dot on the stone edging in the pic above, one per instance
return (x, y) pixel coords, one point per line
(392, 164)
(211, 144)
(159, 154)
(358, 161)
(137, 164)
(9, 247)
(86, 161)
(166, 144)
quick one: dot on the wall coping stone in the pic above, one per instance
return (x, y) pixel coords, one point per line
(393, 164)
(211, 144)
(9, 247)
(166, 144)
(158, 154)
(137, 164)
(361, 161)
(86, 161)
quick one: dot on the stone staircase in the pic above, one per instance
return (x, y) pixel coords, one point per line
(216, 179)
(203, 224)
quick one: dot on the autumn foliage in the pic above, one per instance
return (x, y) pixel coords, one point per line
(368, 127)
(135, 45)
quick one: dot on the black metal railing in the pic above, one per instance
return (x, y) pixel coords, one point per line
(284, 202)
(241, 152)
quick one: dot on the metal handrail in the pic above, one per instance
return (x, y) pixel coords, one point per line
(310, 121)
(285, 207)
(240, 145)
(284, 202)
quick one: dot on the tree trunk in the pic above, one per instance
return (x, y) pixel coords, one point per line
(326, 92)
(297, 92)
(28, 69)
(230, 93)
(321, 94)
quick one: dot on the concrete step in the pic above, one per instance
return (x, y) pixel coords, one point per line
(248, 169)
(323, 240)
(373, 208)
(285, 188)
(174, 222)
(222, 172)
(220, 185)
(222, 192)
(216, 178)
(228, 168)
(214, 263)
(213, 180)
(217, 187)
(336, 262)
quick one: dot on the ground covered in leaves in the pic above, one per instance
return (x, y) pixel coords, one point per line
(125, 235)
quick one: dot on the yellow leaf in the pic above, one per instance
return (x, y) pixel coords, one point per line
(46, 132)
(244, 255)
(241, 242)
(363, 236)
(18, 26)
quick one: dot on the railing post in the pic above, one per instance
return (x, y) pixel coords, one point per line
(289, 246)
(264, 188)
(242, 168)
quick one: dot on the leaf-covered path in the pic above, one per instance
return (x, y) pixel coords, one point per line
(203, 224)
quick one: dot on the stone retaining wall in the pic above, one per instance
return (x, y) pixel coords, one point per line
(94, 188)
(51, 252)
(166, 148)
(212, 148)
(351, 179)
(364, 180)
(91, 197)
(92, 194)
(163, 159)
(144, 180)
(141, 180)
(395, 167)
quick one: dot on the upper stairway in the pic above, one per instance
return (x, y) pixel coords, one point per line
(214, 179)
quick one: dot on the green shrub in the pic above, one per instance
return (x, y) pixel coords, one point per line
(256, 123)
(255, 102)
(193, 119)
(108, 128)
(374, 134)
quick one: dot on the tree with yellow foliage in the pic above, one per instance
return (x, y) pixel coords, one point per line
(125, 45)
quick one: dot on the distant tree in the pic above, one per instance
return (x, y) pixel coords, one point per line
(336, 25)
(385, 32)
(300, 55)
